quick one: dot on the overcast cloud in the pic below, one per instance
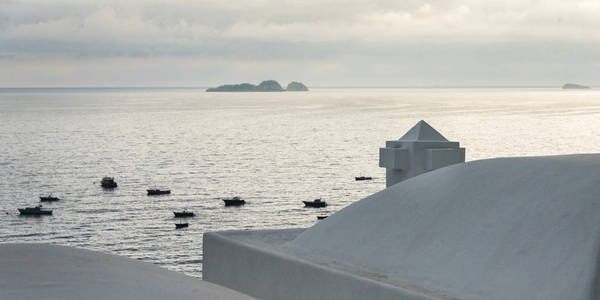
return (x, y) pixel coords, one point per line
(350, 42)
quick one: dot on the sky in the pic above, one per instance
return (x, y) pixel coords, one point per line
(87, 43)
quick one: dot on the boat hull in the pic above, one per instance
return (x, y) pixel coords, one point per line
(181, 225)
(24, 212)
(109, 185)
(232, 202)
(158, 192)
(183, 214)
(49, 199)
(314, 204)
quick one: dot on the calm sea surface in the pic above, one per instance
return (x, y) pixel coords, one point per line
(273, 149)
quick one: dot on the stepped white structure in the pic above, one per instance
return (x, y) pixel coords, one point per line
(420, 150)
(506, 228)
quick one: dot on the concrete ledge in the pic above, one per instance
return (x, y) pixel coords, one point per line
(43, 271)
(254, 263)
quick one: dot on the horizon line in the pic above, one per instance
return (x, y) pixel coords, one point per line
(313, 87)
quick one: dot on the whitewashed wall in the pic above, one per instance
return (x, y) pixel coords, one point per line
(269, 274)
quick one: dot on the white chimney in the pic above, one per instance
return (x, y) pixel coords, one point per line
(420, 150)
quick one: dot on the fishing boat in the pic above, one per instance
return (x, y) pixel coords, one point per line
(48, 198)
(360, 178)
(34, 211)
(108, 183)
(155, 192)
(181, 225)
(315, 203)
(183, 214)
(235, 201)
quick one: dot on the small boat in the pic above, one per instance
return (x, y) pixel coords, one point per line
(155, 192)
(181, 225)
(235, 201)
(182, 214)
(315, 203)
(108, 183)
(48, 198)
(34, 211)
(321, 217)
(363, 178)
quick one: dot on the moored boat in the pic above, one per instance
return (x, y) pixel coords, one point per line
(235, 201)
(181, 225)
(315, 203)
(359, 178)
(34, 211)
(108, 183)
(321, 217)
(48, 198)
(155, 192)
(184, 213)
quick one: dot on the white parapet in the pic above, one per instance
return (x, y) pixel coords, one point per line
(257, 263)
(420, 150)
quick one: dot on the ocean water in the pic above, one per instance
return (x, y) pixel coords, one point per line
(272, 149)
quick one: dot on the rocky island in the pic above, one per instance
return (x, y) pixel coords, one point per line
(572, 86)
(295, 86)
(265, 86)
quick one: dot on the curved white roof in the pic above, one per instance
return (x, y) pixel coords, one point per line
(506, 228)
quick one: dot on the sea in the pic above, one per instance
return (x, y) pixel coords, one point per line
(274, 150)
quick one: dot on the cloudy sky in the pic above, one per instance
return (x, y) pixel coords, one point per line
(320, 42)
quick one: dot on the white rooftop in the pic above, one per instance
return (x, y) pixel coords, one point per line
(42, 271)
(506, 228)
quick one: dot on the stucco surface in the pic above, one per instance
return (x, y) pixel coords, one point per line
(42, 271)
(506, 228)
(420, 150)
(257, 264)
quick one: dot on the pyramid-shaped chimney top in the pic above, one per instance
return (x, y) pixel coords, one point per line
(423, 132)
